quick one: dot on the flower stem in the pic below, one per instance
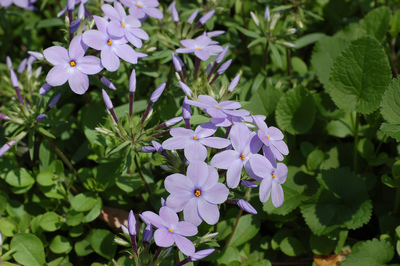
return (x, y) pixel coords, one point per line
(265, 55)
(157, 253)
(196, 66)
(183, 262)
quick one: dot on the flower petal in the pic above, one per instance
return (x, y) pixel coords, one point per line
(233, 173)
(208, 211)
(126, 53)
(185, 229)
(190, 212)
(197, 172)
(217, 194)
(239, 136)
(110, 12)
(154, 219)
(89, 65)
(205, 130)
(185, 245)
(277, 194)
(109, 60)
(195, 151)
(56, 55)
(177, 143)
(178, 183)
(212, 179)
(58, 75)
(115, 30)
(265, 189)
(154, 12)
(201, 54)
(95, 39)
(169, 216)
(224, 159)
(281, 173)
(215, 142)
(163, 238)
(77, 48)
(178, 202)
(79, 82)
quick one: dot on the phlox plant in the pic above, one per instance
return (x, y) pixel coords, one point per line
(149, 132)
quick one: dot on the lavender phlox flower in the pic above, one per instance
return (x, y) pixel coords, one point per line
(267, 15)
(174, 13)
(246, 145)
(111, 49)
(221, 55)
(44, 89)
(6, 147)
(107, 83)
(25, 4)
(271, 178)
(224, 67)
(185, 88)
(37, 55)
(209, 68)
(157, 93)
(171, 230)
(201, 47)
(69, 7)
(147, 235)
(247, 183)
(206, 17)
(132, 81)
(107, 100)
(4, 117)
(124, 229)
(215, 33)
(72, 65)
(122, 25)
(272, 138)
(244, 205)
(234, 83)
(140, 9)
(170, 122)
(197, 194)
(201, 254)
(54, 101)
(193, 16)
(8, 62)
(14, 79)
(193, 142)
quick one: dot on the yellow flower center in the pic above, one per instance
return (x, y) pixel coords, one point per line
(242, 157)
(72, 63)
(195, 138)
(198, 48)
(123, 25)
(273, 175)
(170, 230)
(197, 193)
(217, 107)
(268, 137)
(109, 42)
(139, 6)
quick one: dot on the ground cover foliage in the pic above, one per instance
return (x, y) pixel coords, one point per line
(122, 140)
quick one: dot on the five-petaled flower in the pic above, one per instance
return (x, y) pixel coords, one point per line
(202, 47)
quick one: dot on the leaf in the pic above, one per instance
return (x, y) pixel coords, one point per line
(45, 23)
(295, 111)
(264, 100)
(291, 246)
(298, 65)
(321, 245)
(248, 33)
(45, 178)
(360, 76)
(315, 159)
(376, 22)
(390, 104)
(50, 222)
(19, 178)
(60, 245)
(275, 54)
(341, 202)
(229, 255)
(395, 28)
(84, 201)
(29, 249)
(308, 39)
(102, 243)
(372, 252)
(324, 54)
(248, 226)
(391, 130)
(46, 133)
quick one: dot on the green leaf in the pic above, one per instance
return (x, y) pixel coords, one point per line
(291, 246)
(130, 183)
(298, 65)
(248, 226)
(264, 100)
(360, 76)
(395, 28)
(45, 178)
(51, 221)
(308, 39)
(74, 218)
(46, 23)
(391, 130)
(248, 33)
(321, 245)
(388, 181)
(390, 104)
(46, 133)
(295, 112)
(60, 245)
(275, 54)
(94, 212)
(229, 255)
(83, 247)
(341, 202)
(366, 149)
(19, 178)
(372, 252)
(29, 249)
(324, 54)
(315, 159)
(376, 22)
(102, 243)
(84, 201)
(257, 41)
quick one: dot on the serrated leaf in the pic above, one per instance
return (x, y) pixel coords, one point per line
(391, 130)
(390, 104)
(295, 112)
(372, 252)
(324, 54)
(376, 22)
(360, 76)
(341, 202)
(29, 249)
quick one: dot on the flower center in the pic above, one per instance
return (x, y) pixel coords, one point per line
(72, 63)
(198, 48)
(109, 42)
(242, 157)
(170, 230)
(123, 25)
(273, 175)
(197, 193)
(217, 107)
(267, 137)
(139, 6)
(195, 138)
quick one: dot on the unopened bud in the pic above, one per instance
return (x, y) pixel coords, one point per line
(255, 19)
(107, 100)
(192, 16)
(157, 93)
(244, 205)
(108, 83)
(206, 17)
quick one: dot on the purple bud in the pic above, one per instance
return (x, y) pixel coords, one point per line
(81, 11)
(157, 93)
(267, 15)
(147, 149)
(37, 55)
(224, 67)
(14, 80)
(74, 26)
(221, 56)
(6, 147)
(107, 100)
(234, 83)
(22, 66)
(37, 71)
(9, 63)
(159, 149)
(44, 89)
(71, 4)
(132, 81)
(174, 13)
(5, 117)
(209, 67)
(185, 88)
(108, 83)
(176, 62)
(54, 101)
(206, 17)
(40, 118)
(173, 121)
(201, 254)
(247, 183)
(244, 205)
(147, 235)
(192, 16)
(215, 33)
(186, 113)
(132, 224)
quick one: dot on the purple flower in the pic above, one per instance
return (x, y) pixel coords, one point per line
(157, 92)
(44, 89)
(5, 117)
(147, 235)
(142, 8)
(37, 55)
(111, 48)
(122, 25)
(176, 62)
(132, 223)
(71, 65)
(192, 16)
(215, 33)
(132, 81)
(185, 88)
(197, 194)
(206, 17)
(267, 15)
(108, 83)
(25, 4)
(171, 230)
(201, 47)
(224, 67)
(194, 142)
(245, 145)
(174, 13)
(6, 147)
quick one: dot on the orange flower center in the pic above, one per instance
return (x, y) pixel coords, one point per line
(197, 193)
(242, 157)
(109, 42)
(198, 48)
(72, 63)
(139, 6)
(217, 107)
(123, 25)
(273, 175)
(195, 138)
(170, 230)
(268, 137)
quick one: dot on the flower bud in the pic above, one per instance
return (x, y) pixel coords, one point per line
(255, 19)
(147, 235)
(40, 118)
(107, 100)
(124, 229)
(215, 33)
(108, 83)
(6, 147)
(244, 205)
(192, 16)
(44, 89)
(54, 101)
(221, 56)
(176, 62)
(267, 15)
(147, 149)
(132, 224)
(247, 183)
(206, 17)
(22, 66)
(185, 88)
(234, 83)
(157, 93)
(173, 121)
(14, 79)
(224, 67)
(37, 55)
(74, 26)
(201, 254)
(9, 63)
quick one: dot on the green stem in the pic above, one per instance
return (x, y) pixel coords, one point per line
(355, 157)
(142, 176)
(265, 55)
